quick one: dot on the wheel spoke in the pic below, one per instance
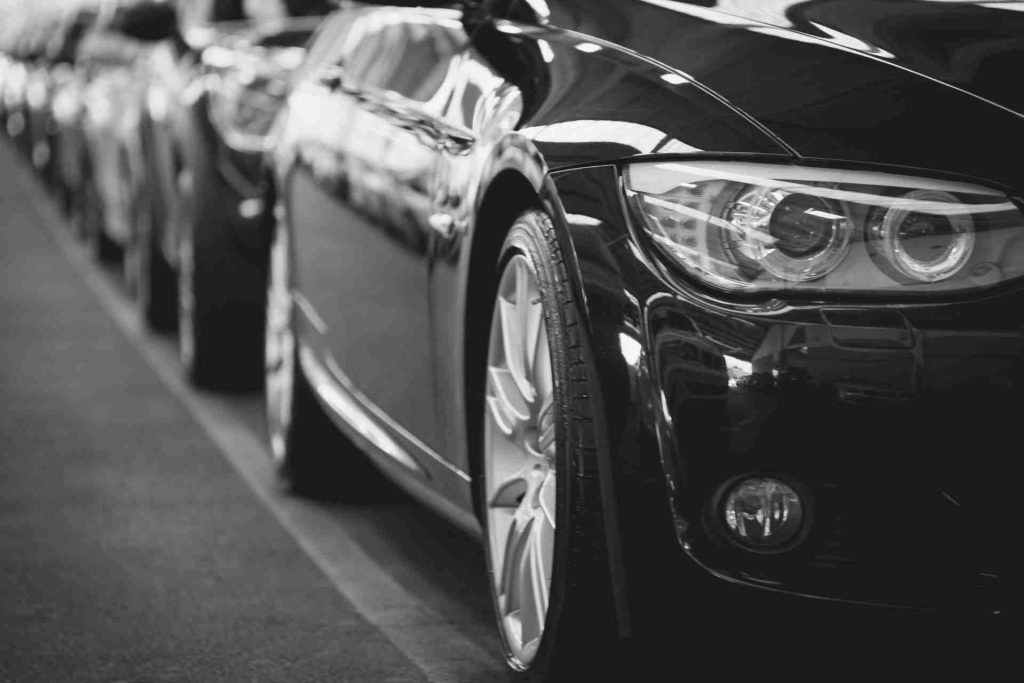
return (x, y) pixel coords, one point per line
(513, 347)
(533, 584)
(508, 585)
(510, 493)
(546, 502)
(531, 318)
(504, 422)
(508, 397)
(546, 427)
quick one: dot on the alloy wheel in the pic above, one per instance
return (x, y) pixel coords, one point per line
(279, 347)
(186, 303)
(129, 201)
(186, 266)
(519, 460)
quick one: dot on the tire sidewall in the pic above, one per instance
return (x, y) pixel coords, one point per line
(527, 238)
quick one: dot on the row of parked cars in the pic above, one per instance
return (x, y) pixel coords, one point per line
(147, 119)
(703, 316)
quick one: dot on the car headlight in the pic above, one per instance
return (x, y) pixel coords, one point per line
(758, 227)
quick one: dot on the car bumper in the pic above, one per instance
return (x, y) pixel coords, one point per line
(898, 421)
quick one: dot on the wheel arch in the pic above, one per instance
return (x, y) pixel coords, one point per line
(510, 179)
(509, 194)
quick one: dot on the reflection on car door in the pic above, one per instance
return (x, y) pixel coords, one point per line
(359, 201)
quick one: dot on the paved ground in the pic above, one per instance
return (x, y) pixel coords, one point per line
(141, 538)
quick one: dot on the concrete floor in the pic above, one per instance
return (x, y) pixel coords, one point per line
(131, 549)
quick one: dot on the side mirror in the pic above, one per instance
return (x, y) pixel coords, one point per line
(149, 21)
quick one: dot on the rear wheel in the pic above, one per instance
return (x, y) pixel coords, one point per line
(220, 293)
(151, 276)
(91, 225)
(545, 545)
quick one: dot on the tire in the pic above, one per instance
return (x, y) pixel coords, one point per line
(90, 225)
(65, 200)
(154, 279)
(220, 292)
(542, 514)
(312, 457)
(106, 250)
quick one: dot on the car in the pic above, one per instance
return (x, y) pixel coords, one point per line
(703, 319)
(55, 38)
(25, 87)
(199, 254)
(110, 60)
(8, 66)
(64, 143)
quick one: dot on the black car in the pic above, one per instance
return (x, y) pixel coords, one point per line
(197, 255)
(701, 318)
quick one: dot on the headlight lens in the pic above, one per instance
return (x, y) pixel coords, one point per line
(764, 227)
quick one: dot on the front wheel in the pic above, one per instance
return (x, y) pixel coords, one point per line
(545, 544)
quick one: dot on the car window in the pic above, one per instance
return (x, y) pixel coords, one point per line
(330, 43)
(409, 56)
(372, 47)
(424, 62)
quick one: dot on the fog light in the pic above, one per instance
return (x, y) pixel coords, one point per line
(763, 514)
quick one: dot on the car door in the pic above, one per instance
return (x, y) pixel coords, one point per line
(359, 202)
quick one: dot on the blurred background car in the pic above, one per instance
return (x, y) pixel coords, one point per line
(66, 144)
(8, 64)
(35, 105)
(197, 256)
(111, 58)
(55, 42)
(24, 81)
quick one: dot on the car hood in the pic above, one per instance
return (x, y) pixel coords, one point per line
(976, 47)
(913, 83)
